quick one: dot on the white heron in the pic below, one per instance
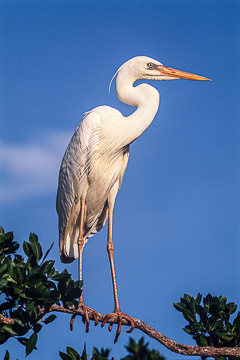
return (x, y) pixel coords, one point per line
(95, 161)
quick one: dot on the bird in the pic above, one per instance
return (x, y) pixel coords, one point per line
(94, 164)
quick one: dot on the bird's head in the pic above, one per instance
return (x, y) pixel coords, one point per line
(143, 67)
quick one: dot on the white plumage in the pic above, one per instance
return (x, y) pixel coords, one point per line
(95, 161)
(96, 157)
(92, 167)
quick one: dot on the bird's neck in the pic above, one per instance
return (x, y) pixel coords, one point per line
(145, 98)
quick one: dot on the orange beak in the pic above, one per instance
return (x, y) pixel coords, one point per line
(178, 74)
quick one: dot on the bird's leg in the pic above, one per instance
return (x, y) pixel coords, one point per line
(81, 304)
(80, 242)
(110, 249)
(117, 313)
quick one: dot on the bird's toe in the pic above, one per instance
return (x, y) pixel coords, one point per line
(118, 317)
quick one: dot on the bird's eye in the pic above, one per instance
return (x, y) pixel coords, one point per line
(150, 65)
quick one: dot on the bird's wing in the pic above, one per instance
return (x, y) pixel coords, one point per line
(76, 165)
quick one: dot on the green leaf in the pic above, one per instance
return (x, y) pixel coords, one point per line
(74, 293)
(189, 316)
(9, 236)
(207, 301)
(199, 309)
(3, 283)
(49, 319)
(18, 274)
(27, 248)
(64, 356)
(222, 303)
(78, 284)
(35, 245)
(32, 310)
(236, 323)
(203, 315)
(19, 322)
(187, 298)
(4, 337)
(231, 307)
(1, 230)
(63, 275)
(72, 353)
(3, 268)
(203, 341)
(84, 353)
(47, 266)
(31, 343)
(217, 324)
(9, 329)
(192, 305)
(47, 252)
(223, 335)
(36, 279)
(198, 298)
(179, 306)
(37, 327)
(188, 331)
(22, 340)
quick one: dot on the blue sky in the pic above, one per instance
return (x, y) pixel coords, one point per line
(176, 220)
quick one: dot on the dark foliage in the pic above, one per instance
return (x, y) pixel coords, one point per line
(209, 324)
(140, 351)
(26, 286)
(72, 354)
(30, 286)
(136, 351)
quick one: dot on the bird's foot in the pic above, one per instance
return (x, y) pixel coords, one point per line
(118, 316)
(85, 317)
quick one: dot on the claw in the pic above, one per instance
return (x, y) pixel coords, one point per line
(72, 322)
(85, 316)
(86, 319)
(107, 317)
(118, 331)
(95, 317)
(132, 325)
(118, 316)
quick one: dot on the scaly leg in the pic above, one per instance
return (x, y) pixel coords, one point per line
(117, 313)
(81, 304)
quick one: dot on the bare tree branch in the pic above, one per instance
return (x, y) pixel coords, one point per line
(6, 320)
(168, 343)
(172, 345)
